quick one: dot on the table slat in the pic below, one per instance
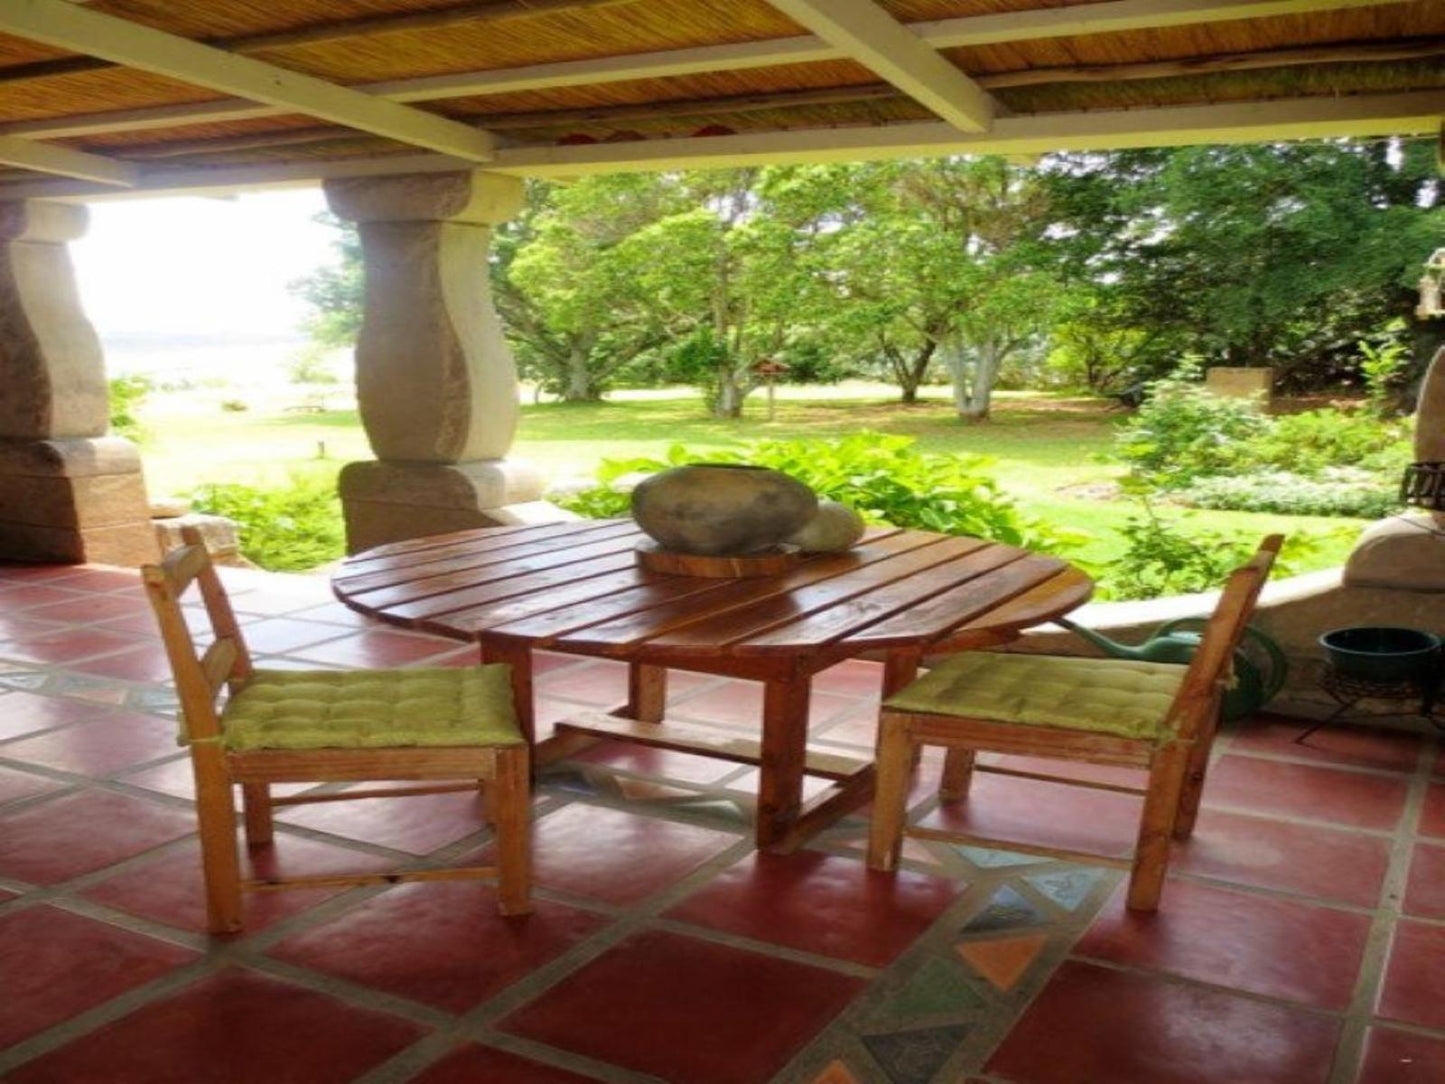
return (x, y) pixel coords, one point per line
(471, 600)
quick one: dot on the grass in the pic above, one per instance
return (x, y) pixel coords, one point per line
(1047, 450)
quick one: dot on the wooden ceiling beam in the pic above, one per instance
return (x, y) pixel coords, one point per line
(65, 162)
(70, 26)
(868, 34)
(1109, 16)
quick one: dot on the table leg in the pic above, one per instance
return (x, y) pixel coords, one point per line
(520, 661)
(899, 670)
(783, 757)
(646, 692)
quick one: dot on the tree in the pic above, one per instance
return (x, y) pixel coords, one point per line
(335, 293)
(565, 283)
(1283, 255)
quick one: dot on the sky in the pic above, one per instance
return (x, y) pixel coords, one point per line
(187, 265)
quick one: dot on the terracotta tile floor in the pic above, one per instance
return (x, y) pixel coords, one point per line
(1302, 940)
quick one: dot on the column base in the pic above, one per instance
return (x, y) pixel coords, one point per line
(74, 500)
(391, 502)
(1404, 552)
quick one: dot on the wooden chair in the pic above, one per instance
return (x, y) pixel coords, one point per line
(1155, 716)
(331, 726)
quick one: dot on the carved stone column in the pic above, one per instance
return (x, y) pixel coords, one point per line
(68, 492)
(436, 382)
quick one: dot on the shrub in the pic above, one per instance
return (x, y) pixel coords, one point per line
(126, 395)
(1183, 432)
(283, 528)
(1339, 492)
(885, 478)
(1317, 440)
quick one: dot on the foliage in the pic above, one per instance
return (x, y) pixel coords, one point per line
(286, 528)
(886, 479)
(335, 293)
(1268, 254)
(1160, 558)
(1338, 492)
(125, 396)
(1183, 432)
(310, 366)
(1317, 440)
(1384, 361)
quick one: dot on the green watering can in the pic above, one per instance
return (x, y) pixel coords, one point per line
(1260, 667)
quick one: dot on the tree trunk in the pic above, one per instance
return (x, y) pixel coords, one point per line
(728, 402)
(973, 381)
(578, 386)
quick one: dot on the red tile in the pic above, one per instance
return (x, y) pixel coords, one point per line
(1355, 746)
(27, 713)
(477, 1064)
(1413, 989)
(618, 857)
(63, 837)
(98, 748)
(1302, 790)
(1096, 1024)
(1260, 944)
(1398, 1057)
(740, 703)
(416, 825)
(853, 677)
(1425, 892)
(145, 663)
(1071, 769)
(170, 888)
(18, 628)
(279, 635)
(15, 784)
(714, 1014)
(99, 580)
(334, 613)
(440, 943)
(1045, 814)
(1313, 861)
(55, 964)
(174, 777)
(29, 596)
(94, 608)
(594, 682)
(658, 763)
(819, 903)
(65, 645)
(237, 1027)
(1432, 813)
(379, 648)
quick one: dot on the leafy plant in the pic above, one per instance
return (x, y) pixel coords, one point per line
(1183, 432)
(283, 528)
(1381, 364)
(886, 479)
(126, 395)
(1319, 440)
(310, 366)
(1340, 493)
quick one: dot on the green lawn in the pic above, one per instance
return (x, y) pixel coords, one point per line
(1047, 450)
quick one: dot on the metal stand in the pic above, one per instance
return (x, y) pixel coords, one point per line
(1348, 691)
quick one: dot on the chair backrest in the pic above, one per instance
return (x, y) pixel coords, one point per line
(1209, 671)
(200, 675)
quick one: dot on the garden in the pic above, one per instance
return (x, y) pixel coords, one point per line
(973, 346)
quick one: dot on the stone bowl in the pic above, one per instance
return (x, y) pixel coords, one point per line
(721, 508)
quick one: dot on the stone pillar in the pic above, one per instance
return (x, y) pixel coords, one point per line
(68, 493)
(436, 382)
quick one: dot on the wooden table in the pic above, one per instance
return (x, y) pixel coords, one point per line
(576, 588)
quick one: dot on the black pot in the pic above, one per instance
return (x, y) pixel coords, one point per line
(1386, 656)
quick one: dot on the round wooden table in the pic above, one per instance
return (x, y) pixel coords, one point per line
(576, 588)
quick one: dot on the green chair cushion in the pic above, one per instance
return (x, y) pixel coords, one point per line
(369, 709)
(1107, 696)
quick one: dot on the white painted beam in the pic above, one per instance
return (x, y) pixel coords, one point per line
(65, 162)
(1414, 113)
(70, 26)
(1109, 16)
(868, 34)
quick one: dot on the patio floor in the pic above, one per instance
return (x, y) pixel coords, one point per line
(1302, 937)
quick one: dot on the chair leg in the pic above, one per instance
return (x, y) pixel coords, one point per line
(1192, 791)
(1156, 827)
(256, 800)
(890, 795)
(957, 774)
(511, 810)
(220, 862)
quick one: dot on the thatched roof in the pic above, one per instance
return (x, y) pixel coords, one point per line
(549, 78)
